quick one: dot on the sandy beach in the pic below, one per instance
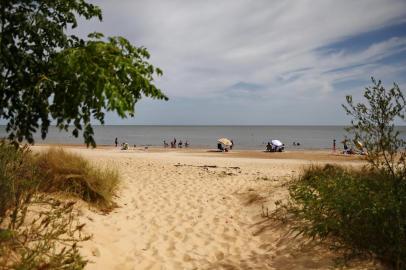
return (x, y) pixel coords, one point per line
(198, 209)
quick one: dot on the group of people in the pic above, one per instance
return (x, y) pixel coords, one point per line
(275, 148)
(173, 144)
(351, 150)
(123, 145)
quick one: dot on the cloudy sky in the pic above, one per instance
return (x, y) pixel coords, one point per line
(259, 62)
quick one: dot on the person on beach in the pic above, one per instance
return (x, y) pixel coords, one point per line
(232, 144)
(269, 147)
(116, 141)
(180, 144)
(346, 151)
(220, 147)
(334, 145)
(186, 144)
(174, 142)
(165, 144)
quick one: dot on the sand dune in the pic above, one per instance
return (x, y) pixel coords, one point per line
(177, 213)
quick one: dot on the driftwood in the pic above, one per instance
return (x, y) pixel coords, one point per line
(205, 166)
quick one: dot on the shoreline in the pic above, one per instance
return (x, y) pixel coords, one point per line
(310, 155)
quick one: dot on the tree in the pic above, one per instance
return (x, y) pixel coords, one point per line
(373, 123)
(47, 74)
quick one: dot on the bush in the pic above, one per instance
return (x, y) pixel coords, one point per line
(360, 210)
(70, 173)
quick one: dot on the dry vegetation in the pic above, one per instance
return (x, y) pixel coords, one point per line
(36, 230)
(72, 174)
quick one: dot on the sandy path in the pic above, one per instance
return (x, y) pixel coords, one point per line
(174, 214)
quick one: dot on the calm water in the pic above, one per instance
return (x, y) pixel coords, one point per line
(244, 137)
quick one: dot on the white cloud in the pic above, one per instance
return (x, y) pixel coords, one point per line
(207, 46)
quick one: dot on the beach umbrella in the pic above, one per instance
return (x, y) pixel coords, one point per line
(277, 142)
(225, 141)
(359, 144)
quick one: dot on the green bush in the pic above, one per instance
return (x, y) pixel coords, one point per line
(361, 210)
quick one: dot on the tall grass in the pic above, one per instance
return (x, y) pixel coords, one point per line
(36, 230)
(18, 178)
(363, 211)
(70, 173)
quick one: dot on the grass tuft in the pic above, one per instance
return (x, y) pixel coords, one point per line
(36, 232)
(70, 173)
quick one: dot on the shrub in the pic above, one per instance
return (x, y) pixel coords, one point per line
(373, 124)
(361, 210)
(357, 209)
(70, 173)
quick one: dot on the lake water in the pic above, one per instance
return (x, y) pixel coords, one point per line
(244, 137)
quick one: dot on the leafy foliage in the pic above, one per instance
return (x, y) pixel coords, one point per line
(374, 124)
(47, 74)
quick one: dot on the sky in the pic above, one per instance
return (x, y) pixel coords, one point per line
(262, 62)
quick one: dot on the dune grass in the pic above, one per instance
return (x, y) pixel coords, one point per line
(38, 231)
(66, 172)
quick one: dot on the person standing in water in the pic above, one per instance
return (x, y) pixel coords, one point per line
(116, 141)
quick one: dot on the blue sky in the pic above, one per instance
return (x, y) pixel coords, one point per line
(259, 62)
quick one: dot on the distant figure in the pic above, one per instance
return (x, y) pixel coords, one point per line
(298, 144)
(165, 144)
(116, 142)
(186, 144)
(180, 144)
(232, 144)
(294, 143)
(334, 145)
(345, 147)
(269, 147)
(174, 142)
(220, 147)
